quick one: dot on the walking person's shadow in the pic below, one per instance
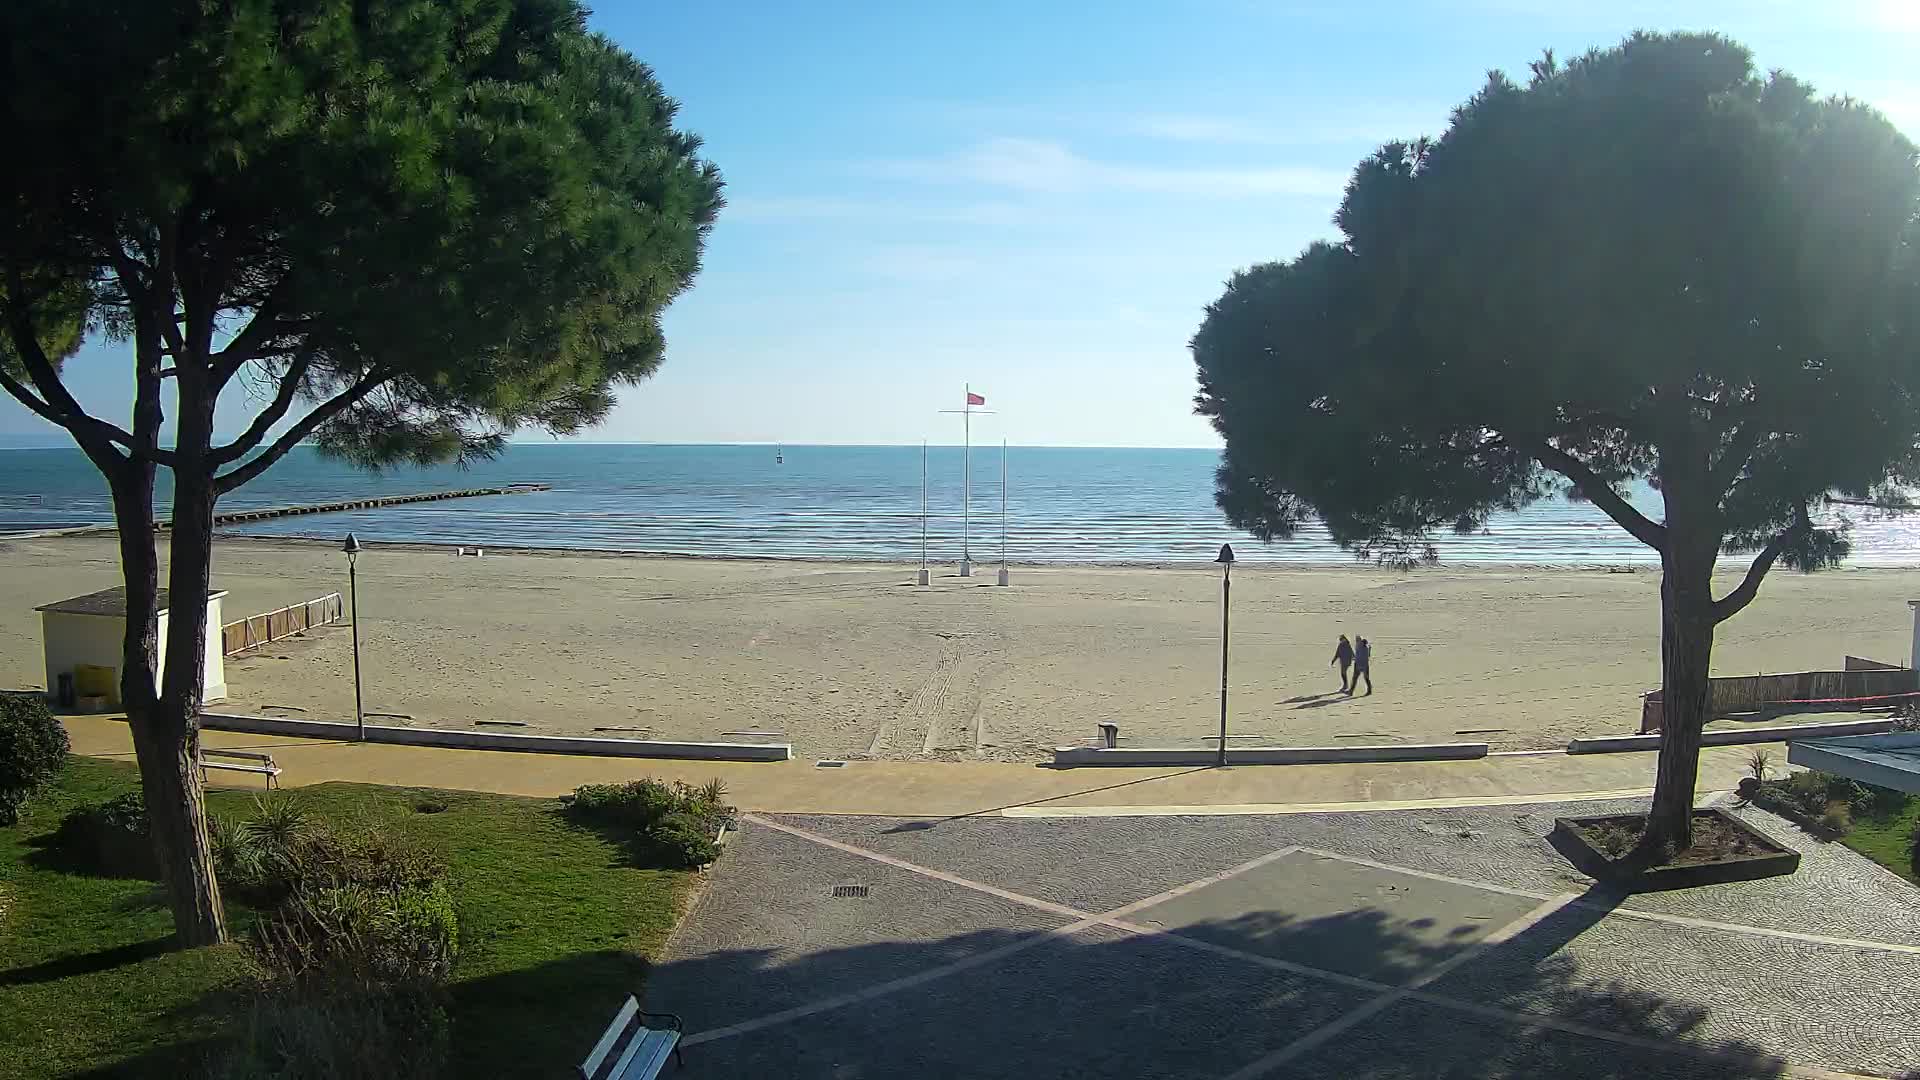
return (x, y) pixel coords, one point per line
(1321, 701)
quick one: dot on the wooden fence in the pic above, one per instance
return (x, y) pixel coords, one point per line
(1799, 691)
(258, 630)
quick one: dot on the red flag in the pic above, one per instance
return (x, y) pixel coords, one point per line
(975, 399)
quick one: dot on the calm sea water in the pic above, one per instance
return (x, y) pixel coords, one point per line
(1063, 505)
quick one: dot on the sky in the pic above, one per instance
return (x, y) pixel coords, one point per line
(1039, 200)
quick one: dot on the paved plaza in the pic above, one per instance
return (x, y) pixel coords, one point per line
(1389, 944)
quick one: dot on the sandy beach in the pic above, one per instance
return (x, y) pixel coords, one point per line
(854, 661)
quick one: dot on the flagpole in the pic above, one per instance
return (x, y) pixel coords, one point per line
(966, 491)
(1003, 511)
(924, 576)
(966, 487)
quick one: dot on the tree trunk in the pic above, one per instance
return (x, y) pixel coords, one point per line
(177, 807)
(167, 749)
(1686, 660)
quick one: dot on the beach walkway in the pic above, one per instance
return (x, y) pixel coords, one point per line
(1431, 943)
(885, 918)
(972, 788)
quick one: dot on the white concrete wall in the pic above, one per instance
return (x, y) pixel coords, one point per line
(215, 685)
(70, 640)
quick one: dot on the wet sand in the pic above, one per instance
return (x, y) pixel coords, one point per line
(847, 660)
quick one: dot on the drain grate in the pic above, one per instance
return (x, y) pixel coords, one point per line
(850, 892)
(829, 764)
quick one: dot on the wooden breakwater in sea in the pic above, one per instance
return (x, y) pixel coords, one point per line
(266, 513)
(373, 503)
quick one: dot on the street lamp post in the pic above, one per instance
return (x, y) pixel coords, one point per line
(352, 548)
(1226, 606)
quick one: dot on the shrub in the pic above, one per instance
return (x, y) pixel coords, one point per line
(292, 854)
(1816, 795)
(33, 749)
(353, 935)
(277, 821)
(643, 803)
(1837, 817)
(353, 1035)
(360, 906)
(1809, 790)
(638, 803)
(674, 824)
(111, 838)
(239, 858)
(1759, 764)
(683, 841)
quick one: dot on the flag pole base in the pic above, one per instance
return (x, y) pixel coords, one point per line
(926, 577)
(966, 568)
(1003, 575)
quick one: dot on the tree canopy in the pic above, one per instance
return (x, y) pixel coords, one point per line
(411, 226)
(1647, 263)
(406, 227)
(1652, 263)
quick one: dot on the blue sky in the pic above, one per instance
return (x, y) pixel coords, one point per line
(1040, 199)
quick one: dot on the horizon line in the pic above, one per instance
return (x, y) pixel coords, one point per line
(68, 445)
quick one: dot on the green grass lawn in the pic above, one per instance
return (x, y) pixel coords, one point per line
(555, 926)
(1888, 840)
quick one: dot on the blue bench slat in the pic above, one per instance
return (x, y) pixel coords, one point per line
(651, 1057)
(591, 1068)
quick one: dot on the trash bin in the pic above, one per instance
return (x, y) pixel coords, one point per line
(1110, 735)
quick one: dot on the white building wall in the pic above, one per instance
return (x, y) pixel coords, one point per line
(70, 640)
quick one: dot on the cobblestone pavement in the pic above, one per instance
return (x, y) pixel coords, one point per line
(1400, 944)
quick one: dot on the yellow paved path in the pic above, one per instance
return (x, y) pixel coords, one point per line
(942, 789)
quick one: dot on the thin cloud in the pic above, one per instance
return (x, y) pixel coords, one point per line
(1331, 126)
(1326, 123)
(804, 208)
(1899, 16)
(1042, 166)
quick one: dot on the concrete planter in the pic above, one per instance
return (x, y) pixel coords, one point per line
(1773, 861)
(1162, 757)
(487, 740)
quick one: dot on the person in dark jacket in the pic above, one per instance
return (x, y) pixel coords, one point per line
(1343, 655)
(1362, 667)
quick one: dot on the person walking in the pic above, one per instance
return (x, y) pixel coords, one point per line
(1343, 655)
(1362, 667)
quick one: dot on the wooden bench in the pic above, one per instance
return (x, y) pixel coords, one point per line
(633, 1048)
(247, 761)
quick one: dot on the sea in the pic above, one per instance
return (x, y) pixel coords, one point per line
(1061, 505)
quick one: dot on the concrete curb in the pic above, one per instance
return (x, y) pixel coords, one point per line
(1081, 756)
(1613, 744)
(485, 740)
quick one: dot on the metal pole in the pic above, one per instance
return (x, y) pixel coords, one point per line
(1003, 508)
(1226, 606)
(966, 496)
(923, 578)
(353, 588)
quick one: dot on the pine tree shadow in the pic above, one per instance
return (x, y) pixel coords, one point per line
(1100, 1003)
